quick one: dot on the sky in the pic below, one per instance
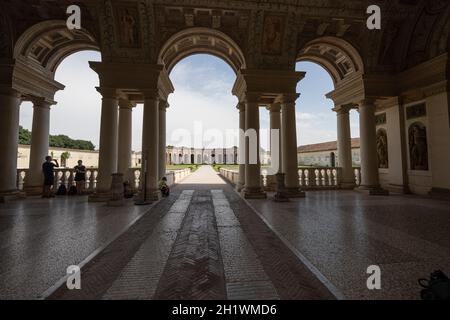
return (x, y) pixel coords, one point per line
(202, 109)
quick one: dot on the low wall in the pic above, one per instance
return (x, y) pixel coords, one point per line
(176, 176)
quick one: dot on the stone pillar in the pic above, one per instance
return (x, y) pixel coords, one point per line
(9, 133)
(289, 146)
(125, 138)
(253, 188)
(344, 145)
(39, 146)
(163, 105)
(241, 184)
(275, 124)
(150, 150)
(107, 164)
(369, 160)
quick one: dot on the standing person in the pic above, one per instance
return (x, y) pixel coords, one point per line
(48, 169)
(80, 177)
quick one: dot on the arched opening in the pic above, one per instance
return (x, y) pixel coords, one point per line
(202, 64)
(330, 64)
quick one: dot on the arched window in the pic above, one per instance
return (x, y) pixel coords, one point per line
(382, 149)
(418, 146)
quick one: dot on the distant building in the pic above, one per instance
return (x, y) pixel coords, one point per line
(325, 154)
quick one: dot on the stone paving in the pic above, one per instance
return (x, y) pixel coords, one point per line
(206, 242)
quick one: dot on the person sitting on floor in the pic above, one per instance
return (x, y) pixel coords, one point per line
(165, 190)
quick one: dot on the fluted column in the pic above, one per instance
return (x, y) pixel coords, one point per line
(253, 188)
(150, 148)
(369, 159)
(289, 146)
(344, 145)
(275, 146)
(107, 164)
(241, 183)
(9, 133)
(39, 146)
(125, 137)
(163, 105)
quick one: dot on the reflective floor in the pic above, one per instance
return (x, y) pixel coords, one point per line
(342, 233)
(206, 234)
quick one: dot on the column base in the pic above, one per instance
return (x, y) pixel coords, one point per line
(295, 193)
(100, 197)
(399, 188)
(33, 190)
(240, 187)
(253, 193)
(373, 190)
(280, 197)
(151, 196)
(11, 196)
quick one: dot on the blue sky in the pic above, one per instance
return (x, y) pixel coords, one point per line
(202, 103)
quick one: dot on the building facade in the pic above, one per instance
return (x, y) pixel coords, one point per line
(397, 77)
(326, 154)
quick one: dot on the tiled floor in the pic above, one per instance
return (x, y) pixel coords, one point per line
(206, 242)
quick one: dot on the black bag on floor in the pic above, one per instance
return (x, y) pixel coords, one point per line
(62, 190)
(72, 191)
(435, 288)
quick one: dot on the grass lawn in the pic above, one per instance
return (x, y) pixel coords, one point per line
(193, 167)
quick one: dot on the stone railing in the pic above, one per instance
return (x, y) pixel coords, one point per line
(66, 176)
(309, 178)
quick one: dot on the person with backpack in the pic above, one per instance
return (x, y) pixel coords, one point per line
(80, 177)
(48, 169)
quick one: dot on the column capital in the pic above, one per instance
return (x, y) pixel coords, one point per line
(126, 104)
(163, 105)
(107, 93)
(288, 98)
(252, 97)
(241, 106)
(152, 94)
(368, 101)
(343, 109)
(41, 103)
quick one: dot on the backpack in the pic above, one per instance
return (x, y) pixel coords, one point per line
(62, 190)
(72, 191)
(435, 288)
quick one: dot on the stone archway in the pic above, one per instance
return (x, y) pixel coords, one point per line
(201, 40)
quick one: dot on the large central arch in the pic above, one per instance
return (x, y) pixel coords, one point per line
(201, 40)
(337, 56)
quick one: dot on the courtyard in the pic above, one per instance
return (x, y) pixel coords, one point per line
(206, 242)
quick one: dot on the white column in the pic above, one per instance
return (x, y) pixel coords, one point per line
(163, 105)
(39, 146)
(9, 133)
(253, 188)
(275, 124)
(125, 137)
(344, 145)
(369, 159)
(107, 164)
(241, 183)
(289, 146)
(150, 150)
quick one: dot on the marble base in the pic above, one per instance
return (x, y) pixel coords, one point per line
(152, 196)
(33, 190)
(347, 185)
(11, 196)
(397, 188)
(240, 187)
(295, 193)
(254, 193)
(373, 190)
(440, 193)
(280, 197)
(100, 197)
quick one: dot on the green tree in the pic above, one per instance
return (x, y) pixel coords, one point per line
(24, 136)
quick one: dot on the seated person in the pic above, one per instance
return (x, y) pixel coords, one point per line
(165, 190)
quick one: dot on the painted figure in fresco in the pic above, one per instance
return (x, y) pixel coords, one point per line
(272, 35)
(128, 24)
(382, 150)
(418, 147)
